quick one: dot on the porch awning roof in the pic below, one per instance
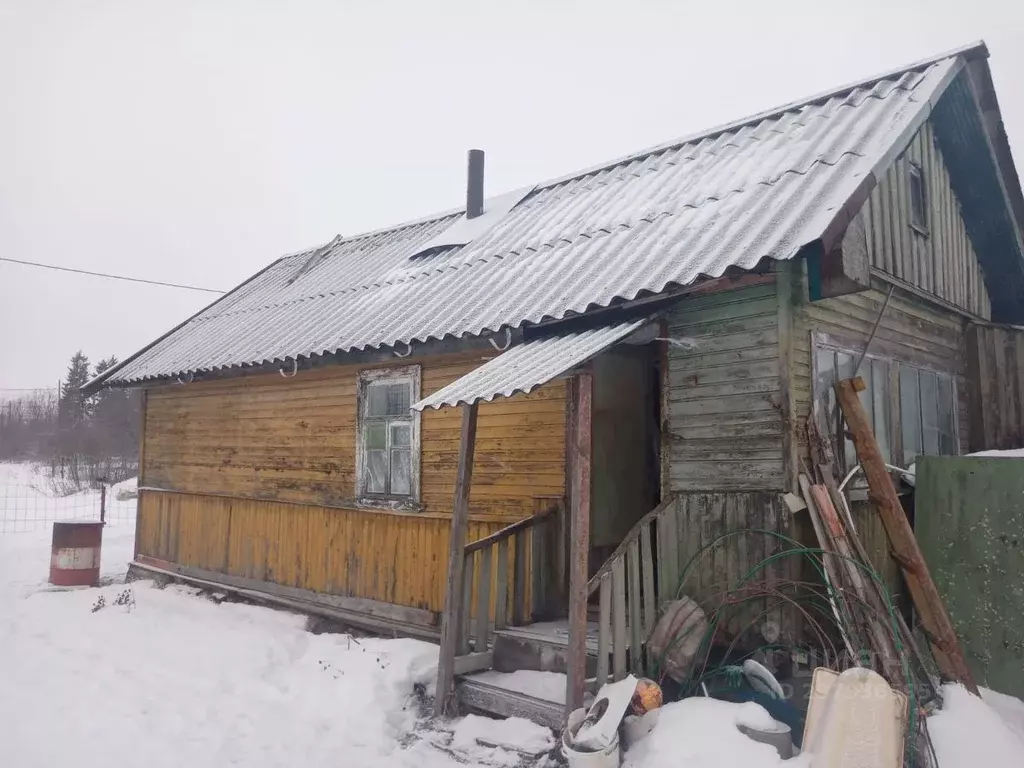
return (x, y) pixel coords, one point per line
(527, 366)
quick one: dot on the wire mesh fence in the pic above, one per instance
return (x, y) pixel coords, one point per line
(29, 501)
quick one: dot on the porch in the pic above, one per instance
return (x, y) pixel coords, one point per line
(695, 544)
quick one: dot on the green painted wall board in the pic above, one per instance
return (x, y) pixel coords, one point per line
(970, 524)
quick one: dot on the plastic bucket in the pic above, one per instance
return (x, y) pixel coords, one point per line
(606, 758)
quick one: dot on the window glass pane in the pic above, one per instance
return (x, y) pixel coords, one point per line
(826, 364)
(401, 472)
(844, 365)
(947, 407)
(910, 414)
(880, 404)
(929, 413)
(401, 435)
(824, 394)
(917, 201)
(388, 399)
(376, 471)
(376, 436)
(844, 370)
(377, 400)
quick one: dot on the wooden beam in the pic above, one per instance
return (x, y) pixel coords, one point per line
(385, 618)
(618, 618)
(934, 617)
(664, 409)
(519, 578)
(509, 530)
(445, 695)
(604, 629)
(582, 447)
(143, 403)
(473, 662)
(978, 380)
(607, 315)
(784, 287)
(477, 695)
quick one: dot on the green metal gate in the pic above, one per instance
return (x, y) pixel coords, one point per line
(969, 520)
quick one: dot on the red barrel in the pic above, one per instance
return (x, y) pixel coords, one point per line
(75, 560)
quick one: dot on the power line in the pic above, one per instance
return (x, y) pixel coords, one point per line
(111, 277)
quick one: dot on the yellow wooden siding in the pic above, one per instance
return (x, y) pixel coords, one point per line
(263, 470)
(943, 261)
(295, 440)
(398, 558)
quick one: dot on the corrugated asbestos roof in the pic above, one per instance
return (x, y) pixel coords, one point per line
(527, 366)
(663, 218)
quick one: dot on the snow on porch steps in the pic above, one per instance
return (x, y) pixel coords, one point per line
(553, 633)
(543, 646)
(537, 696)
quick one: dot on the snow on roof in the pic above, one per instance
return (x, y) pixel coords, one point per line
(755, 189)
(527, 366)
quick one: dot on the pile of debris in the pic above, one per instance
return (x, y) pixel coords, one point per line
(591, 736)
(870, 709)
(854, 718)
(864, 611)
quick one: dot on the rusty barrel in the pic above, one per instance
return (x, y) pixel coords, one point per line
(75, 559)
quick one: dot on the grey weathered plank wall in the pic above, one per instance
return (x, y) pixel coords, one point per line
(701, 519)
(941, 262)
(995, 374)
(724, 412)
(913, 331)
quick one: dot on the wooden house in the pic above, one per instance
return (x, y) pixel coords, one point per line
(467, 427)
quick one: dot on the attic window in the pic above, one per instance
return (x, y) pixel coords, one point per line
(918, 201)
(388, 451)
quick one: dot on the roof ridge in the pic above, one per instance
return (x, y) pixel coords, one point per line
(970, 51)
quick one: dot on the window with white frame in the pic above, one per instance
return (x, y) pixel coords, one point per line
(912, 410)
(388, 453)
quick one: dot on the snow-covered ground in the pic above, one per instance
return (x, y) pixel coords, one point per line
(970, 732)
(128, 674)
(133, 674)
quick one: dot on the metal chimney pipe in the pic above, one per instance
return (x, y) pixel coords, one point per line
(475, 184)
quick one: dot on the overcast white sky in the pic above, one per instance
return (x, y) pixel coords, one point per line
(195, 141)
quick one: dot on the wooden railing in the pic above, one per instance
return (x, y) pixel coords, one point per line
(501, 584)
(630, 592)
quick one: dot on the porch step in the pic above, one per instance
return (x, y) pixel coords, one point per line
(543, 646)
(537, 696)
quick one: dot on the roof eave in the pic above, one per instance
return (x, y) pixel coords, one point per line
(99, 382)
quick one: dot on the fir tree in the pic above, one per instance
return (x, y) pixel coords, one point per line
(74, 408)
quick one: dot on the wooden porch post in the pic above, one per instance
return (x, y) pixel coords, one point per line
(934, 618)
(579, 546)
(453, 608)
